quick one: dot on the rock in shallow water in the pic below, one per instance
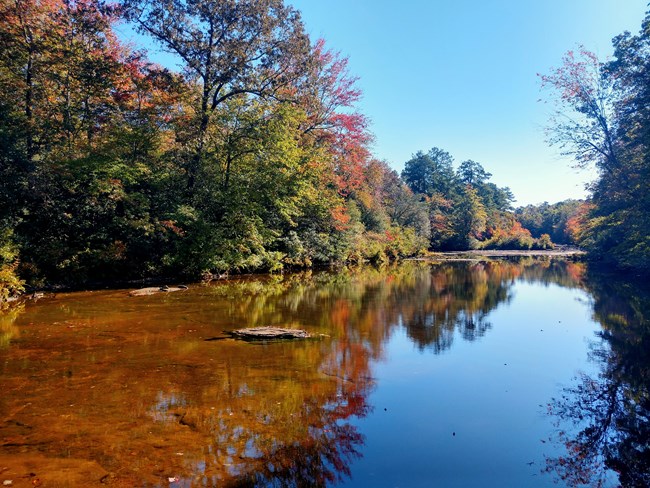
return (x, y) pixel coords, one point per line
(152, 290)
(265, 333)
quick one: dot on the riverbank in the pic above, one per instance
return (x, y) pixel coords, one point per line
(163, 284)
(494, 253)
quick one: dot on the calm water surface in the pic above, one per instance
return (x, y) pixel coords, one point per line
(470, 374)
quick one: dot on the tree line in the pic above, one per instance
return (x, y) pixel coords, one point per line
(252, 157)
(465, 209)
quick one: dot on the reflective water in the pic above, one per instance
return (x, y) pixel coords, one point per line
(472, 374)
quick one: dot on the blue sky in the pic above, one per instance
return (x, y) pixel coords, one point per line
(462, 75)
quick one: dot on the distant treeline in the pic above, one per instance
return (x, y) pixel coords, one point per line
(467, 211)
(252, 158)
(560, 221)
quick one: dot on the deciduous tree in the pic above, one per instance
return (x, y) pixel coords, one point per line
(233, 48)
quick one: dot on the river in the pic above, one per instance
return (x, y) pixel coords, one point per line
(531, 372)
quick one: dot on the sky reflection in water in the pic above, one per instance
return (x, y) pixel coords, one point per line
(456, 374)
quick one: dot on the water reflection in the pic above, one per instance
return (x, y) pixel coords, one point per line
(8, 329)
(456, 298)
(102, 387)
(604, 420)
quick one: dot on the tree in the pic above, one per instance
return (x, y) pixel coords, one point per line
(328, 98)
(621, 218)
(629, 72)
(604, 119)
(587, 130)
(403, 206)
(65, 191)
(10, 284)
(472, 173)
(495, 198)
(553, 220)
(469, 218)
(430, 173)
(233, 48)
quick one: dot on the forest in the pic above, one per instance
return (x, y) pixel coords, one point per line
(255, 157)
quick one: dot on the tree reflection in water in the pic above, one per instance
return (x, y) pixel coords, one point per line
(610, 412)
(227, 413)
(8, 329)
(457, 297)
(359, 309)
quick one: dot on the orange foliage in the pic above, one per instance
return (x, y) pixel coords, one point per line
(341, 217)
(577, 223)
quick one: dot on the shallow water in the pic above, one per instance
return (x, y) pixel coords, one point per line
(500, 373)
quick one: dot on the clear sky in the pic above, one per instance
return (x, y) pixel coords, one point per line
(462, 75)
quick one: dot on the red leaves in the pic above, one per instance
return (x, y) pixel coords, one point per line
(577, 223)
(171, 225)
(328, 100)
(576, 80)
(337, 86)
(341, 218)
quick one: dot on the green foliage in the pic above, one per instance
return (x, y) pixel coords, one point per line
(466, 211)
(472, 173)
(553, 220)
(112, 169)
(520, 242)
(430, 173)
(469, 218)
(609, 103)
(544, 242)
(10, 284)
(619, 238)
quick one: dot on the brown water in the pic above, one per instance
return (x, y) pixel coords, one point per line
(420, 375)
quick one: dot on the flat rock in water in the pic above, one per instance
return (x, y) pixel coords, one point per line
(152, 290)
(265, 333)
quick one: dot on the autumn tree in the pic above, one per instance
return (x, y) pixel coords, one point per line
(587, 131)
(466, 210)
(81, 142)
(253, 158)
(603, 120)
(552, 219)
(232, 48)
(469, 218)
(340, 140)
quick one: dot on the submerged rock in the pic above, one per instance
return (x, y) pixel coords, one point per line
(265, 333)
